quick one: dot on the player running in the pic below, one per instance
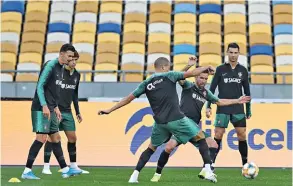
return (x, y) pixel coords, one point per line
(193, 98)
(68, 94)
(160, 90)
(230, 78)
(46, 115)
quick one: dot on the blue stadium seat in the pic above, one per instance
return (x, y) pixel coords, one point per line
(210, 8)
(109, 27)
(59, 27)
(184, 49)
(282, 29)
(261, 50)
(13, 6)
(185, 8)
(276, 2)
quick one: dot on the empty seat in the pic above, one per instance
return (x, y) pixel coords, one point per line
(85, 17)
(10, 27)
(185, 1)
(160, 7)
(85, 58)
(239, 39)
(85, 27)
(210, 18)
(181, 59)
(218, 2)
(139, 7)
(135, 27)
(282, 19)
(40, 6)
(184, 28)
(62, 6)
(59, 27)
(28, 66)
(107, 58)
(282, 29)
(261, 50)
(185, 8)
(185, 38)
(110, 18)
(282, 9)
(262, 79)
(58, 37)
(133, 58)
(111, 7)
(210, 59)
(209, 38)
(36, 17)
(160, 27)
(210, 8)
(185, 18)
(87, 6)
(105, 77)
(158, 48)
(132, 62)
(27, 77)
(133, 48)
(61, 17)
(84, 48)
(84, 37)
(9, 47)
(33, 37)
(184, 49)
(260, 18)
(31, 57)
(284, 60)
(35, 27)
(108, 38)
(53, 47)
(259, 8)
(106, 67)
(266, 2)
(241, 59)
(284, 79)
(260, 28)
(108, 48)
(11, 17)
(134, 37)
(51, 56)
(234, 8)
(159, 38)
(261, 60)
(210, 48)
(260, 38)
(234, 2)
(210, 28)
(283, 50)
(31, 47)
(84, 67)
(160, 17)
(9, 37)
(5, 77)
(134, 17)
(8, 61)
(276, 2)
(12, 6)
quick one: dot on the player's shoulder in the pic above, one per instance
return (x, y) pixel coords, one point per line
(222, 66)
(51, 63)
(242, 67)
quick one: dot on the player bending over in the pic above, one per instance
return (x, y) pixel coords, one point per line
(46, 115)
(193, 98)
(230, 78)
(68, 94)
(160, 89)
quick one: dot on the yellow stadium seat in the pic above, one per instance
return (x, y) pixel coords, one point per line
(132, 77)
(210, 28)
(84, 37)
(35, 27)
(10, 27)
(27, 77)
(40, 6)
(44, 1)
(178, 67)
(235, 28)
(185, 1)
(53, 47)
(30, 57)
(234, 1)
(282, 19)
(112, 1)
(210, 18)
(160, 17)
(185, 18)
(33, 37)
(262, 79)
(159, 38)
(31, 47)
(108, 38)
(85, 27)
(107, 58)
(85, 58)
(36, 17)
(135, 27)
(260, 28)
(133, 48)
(236, 38)
(84, 67)
(283, 50)
(160, 7)
(181, 59)
(9, 47)
(106, 66)
(134, 37)
(218, 2)
(234, 18)
(11, 17)
(260, 38)
(184, 38)
(111, 7)
(261, 60)
(210, 48)
(184, 28)
(108, 48)
(158, 48)
(209, 38)
(210, 59)
(87, 6)
(282, 9)
(135, 17)
(8, 61)
(284, 79)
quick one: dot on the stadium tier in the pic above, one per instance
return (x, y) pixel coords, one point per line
(119, 41)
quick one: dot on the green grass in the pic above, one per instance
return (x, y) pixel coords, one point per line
(171, 176)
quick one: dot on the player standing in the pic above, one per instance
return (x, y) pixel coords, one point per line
(45, 112)
(193, 98)
(160, 90)
(230, 78)
(68, 94)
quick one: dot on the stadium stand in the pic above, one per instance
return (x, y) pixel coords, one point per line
(119, 41)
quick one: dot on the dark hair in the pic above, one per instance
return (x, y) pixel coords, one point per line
(233, 45)
(76, 54)
(67, 47)
(161, 61)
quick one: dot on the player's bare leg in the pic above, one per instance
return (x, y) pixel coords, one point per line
(242, 143)
(219, 132)
(144, 158)
(33, 152)
(71, 147)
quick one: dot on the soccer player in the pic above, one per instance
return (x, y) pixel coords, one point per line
(230, 78)
(160, 89)
(45, 112)
(193, 98)
(68, 94)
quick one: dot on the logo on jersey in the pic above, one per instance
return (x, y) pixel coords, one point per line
(152, 86)
(143, 133)
(240, 74)
(65, 86)
(197, 97)
(232, 80)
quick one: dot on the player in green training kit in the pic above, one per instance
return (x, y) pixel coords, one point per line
(160, 89)
(193, 98)
(68, 94)
(230, 78)
(45, 112)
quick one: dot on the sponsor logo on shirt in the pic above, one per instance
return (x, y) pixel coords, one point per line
(232, 80)
(65, 86)
(195, 96)
(152, 86)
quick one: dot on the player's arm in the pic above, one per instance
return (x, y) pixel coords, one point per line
(224, 102)
(126, 100)
(246, 87)
(75, 101)
(214, 84)
(191, 62)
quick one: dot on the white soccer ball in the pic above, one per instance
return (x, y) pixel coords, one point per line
(250, 170)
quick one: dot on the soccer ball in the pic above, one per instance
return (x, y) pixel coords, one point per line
(250, 170)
